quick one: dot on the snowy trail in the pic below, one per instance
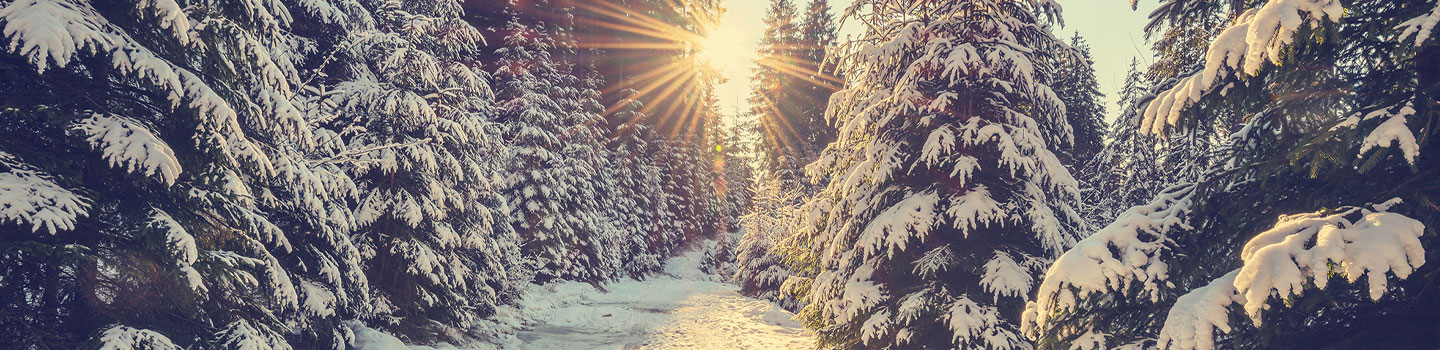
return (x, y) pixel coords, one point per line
(659, 313)
(681, 308)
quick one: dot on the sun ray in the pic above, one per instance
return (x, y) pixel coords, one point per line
(697, 104)
(782, 135)
(665, 94)
(670, 70)
(779, 116)
(638, 23)
(650, 107)
(823, 80)
(677, 95)
(772, 138)
(686, 102)
(634, 46)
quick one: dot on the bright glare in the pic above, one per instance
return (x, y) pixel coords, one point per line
(730, 48)
(727, 47)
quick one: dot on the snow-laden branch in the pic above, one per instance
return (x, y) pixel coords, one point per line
(29, 197)
(1420, 27)
(1123, 253)
(1392, 131)
(119, 337)
(54, 34)
(1257, 36)
(349, 155)
(1308, 247)
(128, 144)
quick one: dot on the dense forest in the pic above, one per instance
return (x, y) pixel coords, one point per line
(289, 174)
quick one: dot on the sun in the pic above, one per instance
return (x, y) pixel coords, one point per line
(719, 51)
(727, 47)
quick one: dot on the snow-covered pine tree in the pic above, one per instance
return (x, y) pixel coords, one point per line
(736, 167)
(671, 205)
(946, 199)
(727, 202)
(635, 195)
(543, 105)
(760, 267)
(1076, 86)
(1123, 173)
(585, 143)
(409, 114)
(772, 88)
(157, 181)
(690, 188)
(718, 216)
(817, 33)
(1329, 107)
(790, 91)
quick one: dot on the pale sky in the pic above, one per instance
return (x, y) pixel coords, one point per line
(1115, 34)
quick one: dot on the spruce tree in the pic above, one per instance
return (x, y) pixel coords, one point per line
(772, 91)
(1319, 175)
(817, 35)
(636, 192)
(947, 196)
(1075, 85)
(413, 119)
(545, 183)
(761, 270)
(1124, 172)
(159, 184)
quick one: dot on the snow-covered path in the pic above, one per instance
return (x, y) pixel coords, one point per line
(659, 313)
(681, 308)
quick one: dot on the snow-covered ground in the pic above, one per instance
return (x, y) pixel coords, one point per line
(680, 309)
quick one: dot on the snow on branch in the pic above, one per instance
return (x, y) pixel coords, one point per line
(119, 337)
(55, 33)
(1123, 253)
(182, 247)
(352, 155)
(29, 197)
(1392, 132)
(912, 217)
(1003, 277)
(125, 143)
(979, 326)
(170, 16)
(1309, 247)
(1257, 36)
(45, 31)
(1278, 260)
(241, 335)
(1421, 27)
(1192, 321)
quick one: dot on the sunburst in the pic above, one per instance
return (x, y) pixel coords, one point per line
(665, 68)
(676, 67)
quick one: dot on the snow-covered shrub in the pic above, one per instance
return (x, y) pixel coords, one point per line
(720, 256)
(760, 268)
